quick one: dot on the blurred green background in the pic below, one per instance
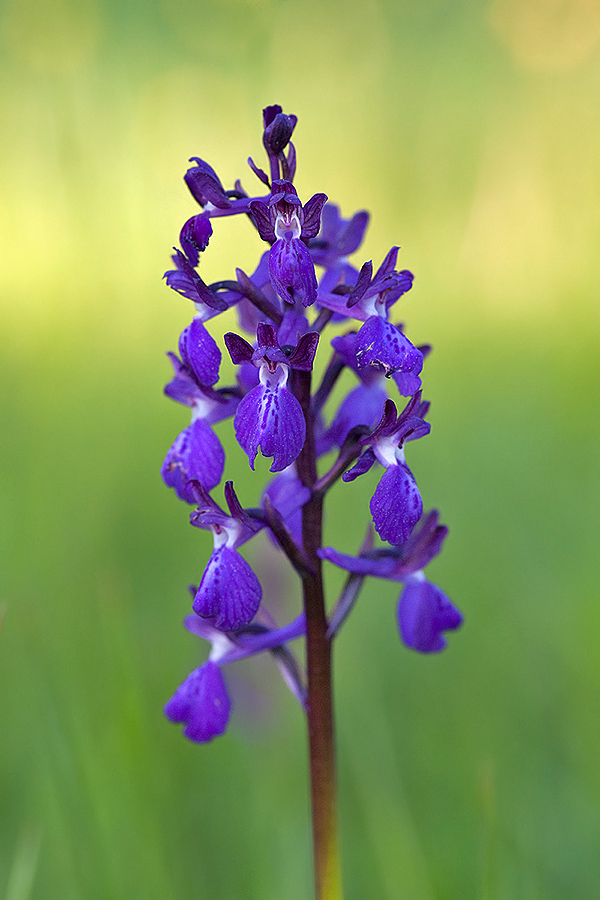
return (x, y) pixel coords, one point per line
(470, 130)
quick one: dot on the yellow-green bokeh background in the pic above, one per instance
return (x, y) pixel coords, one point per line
(471, 131)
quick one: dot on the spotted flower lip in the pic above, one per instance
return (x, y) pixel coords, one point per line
(201, 703)
(270, 417)
(196, 453)
(229, 592)
(407, 383)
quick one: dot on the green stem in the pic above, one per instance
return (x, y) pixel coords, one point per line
(328, 882)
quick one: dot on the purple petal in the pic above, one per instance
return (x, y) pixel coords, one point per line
(304, 354)
(288, 495)
(240, 350)
(424, 544)
(205, 186)
(350, 237)
(424, 613)
(381, 344)
(201, 703)
(261, 217)
(312, 216)
(362, 465)
(248, 644)
(396, 505)
(196, 453)
(271, 418)
(380, 567)
(199, 351)
(292, 271)
(278, 130)
(194, 237)
(229, 591)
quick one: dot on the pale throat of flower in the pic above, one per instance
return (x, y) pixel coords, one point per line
(225, 535)
(375, 306)
(287, 227)
(201, 408)
(388, 452)
(273, 375)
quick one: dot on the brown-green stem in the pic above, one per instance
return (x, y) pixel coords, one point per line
(328, 883)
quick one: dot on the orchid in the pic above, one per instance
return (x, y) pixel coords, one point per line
(303, 283)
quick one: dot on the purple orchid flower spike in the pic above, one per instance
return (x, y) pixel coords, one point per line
(281, 407)
(201, 702)
(230, 593)
(396, 505)
(270, 416)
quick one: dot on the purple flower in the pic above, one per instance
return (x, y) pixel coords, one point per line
(194, 237)
(229, 593)
(379, 343)
(197, 454)
(424, 611)
(205, 186)
(201, 702)
(396, 505)
(274, 402)
(287, 225)
(199, 352)
(270, 416)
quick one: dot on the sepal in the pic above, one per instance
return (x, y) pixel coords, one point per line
(205, 186)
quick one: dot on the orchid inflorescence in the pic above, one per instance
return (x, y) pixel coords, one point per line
(284, 308)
